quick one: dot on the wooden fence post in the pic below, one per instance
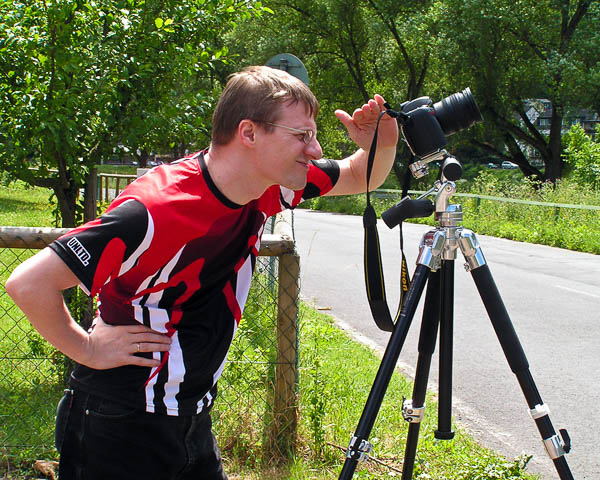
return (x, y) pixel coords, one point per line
(285, 401)
(284, 426)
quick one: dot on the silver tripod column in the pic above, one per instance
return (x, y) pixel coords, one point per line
(438, 251)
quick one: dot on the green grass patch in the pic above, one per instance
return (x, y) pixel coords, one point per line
(32, 380)
(25, 206)
(118, 169)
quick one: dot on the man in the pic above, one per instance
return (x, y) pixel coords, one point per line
(170, 262)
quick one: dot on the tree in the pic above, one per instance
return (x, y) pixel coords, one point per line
(411, 27)
(80, 80)
(513, 52)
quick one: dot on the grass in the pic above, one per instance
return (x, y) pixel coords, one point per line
(31, 379)
(24, 206)
(29, 385)
(118, 169)
(336, 375)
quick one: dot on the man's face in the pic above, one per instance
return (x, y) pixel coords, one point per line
(285, 155)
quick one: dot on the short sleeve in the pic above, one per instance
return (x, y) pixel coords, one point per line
(107, 247)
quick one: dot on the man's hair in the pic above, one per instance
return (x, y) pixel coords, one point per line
(257, 93)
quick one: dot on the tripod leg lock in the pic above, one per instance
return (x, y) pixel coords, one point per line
(411, 413)
(471, 250)
(557, 446)
(359, 451)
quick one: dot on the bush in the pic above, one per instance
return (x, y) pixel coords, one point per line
(572, 228)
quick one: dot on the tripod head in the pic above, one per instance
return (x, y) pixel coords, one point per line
(449, 215)
(450, 168)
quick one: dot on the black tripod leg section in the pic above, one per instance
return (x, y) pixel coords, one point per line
(413, 410)
(444, 431)
(359, 446)
(555, 446)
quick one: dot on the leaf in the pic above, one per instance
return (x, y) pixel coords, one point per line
(158, 22)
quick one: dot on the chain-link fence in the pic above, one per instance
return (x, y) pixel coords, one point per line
(256, 411)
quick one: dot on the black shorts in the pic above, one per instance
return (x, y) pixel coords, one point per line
(100, 439)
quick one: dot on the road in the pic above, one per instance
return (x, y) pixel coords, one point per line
(552, 296)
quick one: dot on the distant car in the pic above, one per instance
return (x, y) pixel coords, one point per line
(507, 164)
(492, 165)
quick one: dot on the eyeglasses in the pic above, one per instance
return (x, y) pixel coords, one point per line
(307, 135)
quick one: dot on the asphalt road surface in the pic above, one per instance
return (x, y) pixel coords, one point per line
(552, 296)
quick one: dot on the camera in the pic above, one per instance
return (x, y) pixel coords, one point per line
(424, 127)
(425, 124)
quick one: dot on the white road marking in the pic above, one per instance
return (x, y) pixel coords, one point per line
(577, 291)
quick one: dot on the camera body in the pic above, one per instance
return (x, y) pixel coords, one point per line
(422, 132)
(425, 125)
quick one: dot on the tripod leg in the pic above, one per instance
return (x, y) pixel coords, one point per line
(359, 445)
(444, 431)
(413, 410)
(555, 446)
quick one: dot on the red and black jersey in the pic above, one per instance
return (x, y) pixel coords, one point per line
(173, 253)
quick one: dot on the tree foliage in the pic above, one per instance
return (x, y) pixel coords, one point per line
(352, 49)
(513, 52)
(81, 80)
(582, 153)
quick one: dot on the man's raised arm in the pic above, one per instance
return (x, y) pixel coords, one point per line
(361, 128)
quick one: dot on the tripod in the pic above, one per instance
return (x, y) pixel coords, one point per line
(435, 267)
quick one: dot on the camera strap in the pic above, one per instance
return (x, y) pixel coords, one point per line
(373, 266)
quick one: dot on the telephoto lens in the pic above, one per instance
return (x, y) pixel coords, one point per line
(457, 112)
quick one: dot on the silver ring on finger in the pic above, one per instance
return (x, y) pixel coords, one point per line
(137, 346)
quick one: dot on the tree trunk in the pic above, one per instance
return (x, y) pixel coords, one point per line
(553, 161)
(90, 196)
(67, 199)
(518, 157)
(142, 158)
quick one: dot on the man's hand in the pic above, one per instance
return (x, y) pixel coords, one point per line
(36, 286)
(114, 346)
(361, 125)
(361, 128)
